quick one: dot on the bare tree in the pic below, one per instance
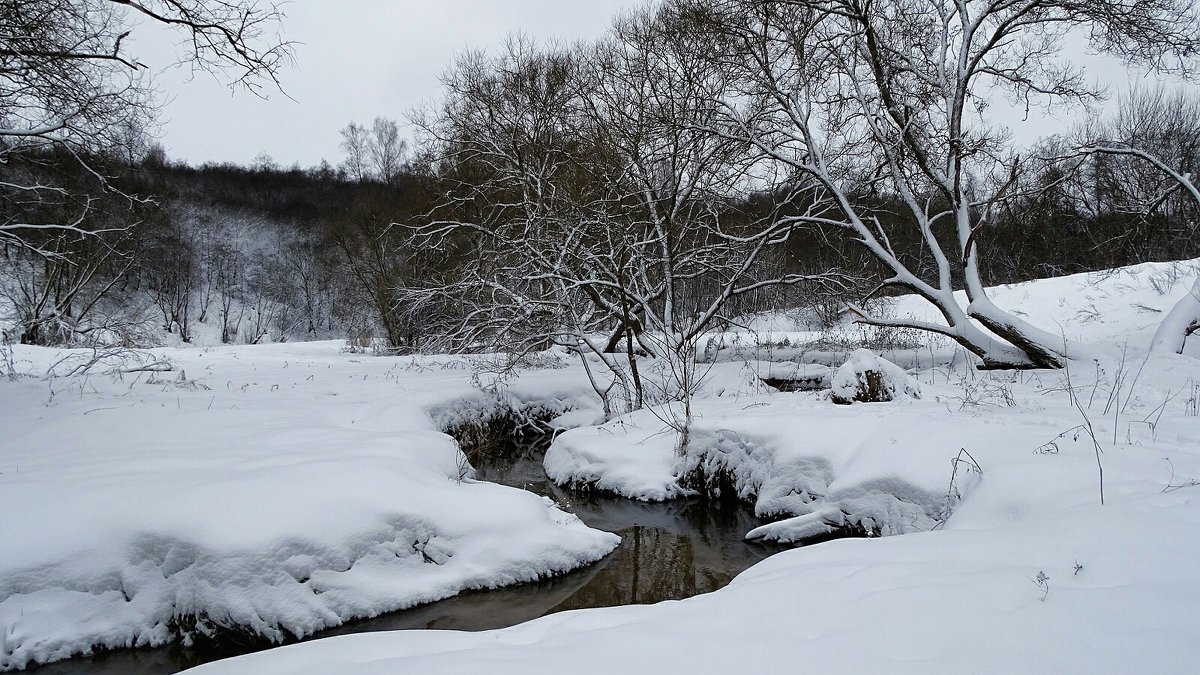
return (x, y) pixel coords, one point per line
(873, 106)
(55, 297)
(229, 280)
(302, 271)
(377, 253)
(1161, 124)
(601, 197)
(375, 153)
(356, 144)
(678, 182)
(69, 83)
(520, 205)
(387, 150)
(171, 271)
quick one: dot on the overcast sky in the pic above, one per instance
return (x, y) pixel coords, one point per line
(361, 58)
(358, 59)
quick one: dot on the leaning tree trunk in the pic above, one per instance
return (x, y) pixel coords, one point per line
(1179, 323)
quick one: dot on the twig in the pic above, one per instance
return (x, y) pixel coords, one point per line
(1171, 485)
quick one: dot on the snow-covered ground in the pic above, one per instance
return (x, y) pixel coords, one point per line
(276, 489)
(1029, 573)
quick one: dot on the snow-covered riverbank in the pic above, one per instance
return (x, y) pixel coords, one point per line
(274, 490)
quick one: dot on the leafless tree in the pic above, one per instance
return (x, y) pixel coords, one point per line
(379, 259)
(600, 196)
(169, 264)
(70, 83)
(677, 181)
(377, 153)
(56, 297)
(885, 103)
(228, 279)
(522, 208)
(1158, 123)
(303, 272)
(356, 144)
(387, 149)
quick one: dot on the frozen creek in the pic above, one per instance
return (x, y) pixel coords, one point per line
(669, 551)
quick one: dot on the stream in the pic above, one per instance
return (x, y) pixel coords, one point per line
(669, 551)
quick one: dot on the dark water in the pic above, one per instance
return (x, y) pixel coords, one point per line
(668, 551)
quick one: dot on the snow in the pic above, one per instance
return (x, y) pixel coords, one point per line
(636, 466)
(886, 466)
(288, 488)
(1181, 321)
(950, 601)
(852, 380)
(989, 480)
(306, 485)
(1089, 310)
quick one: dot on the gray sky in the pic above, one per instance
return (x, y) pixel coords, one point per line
(362, 58)
(359, 59)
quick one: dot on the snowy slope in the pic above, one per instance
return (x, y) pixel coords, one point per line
(1091, 310)
(277, 490)
(1030, 573)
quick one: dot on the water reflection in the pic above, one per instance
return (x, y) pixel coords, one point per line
(669, 551)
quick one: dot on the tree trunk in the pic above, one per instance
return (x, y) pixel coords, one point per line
(1179, 323)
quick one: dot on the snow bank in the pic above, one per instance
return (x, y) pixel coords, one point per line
(611, 458)
(872, 469)
(536, 402)
(958, 601)
(287, 489)
(1091, 310)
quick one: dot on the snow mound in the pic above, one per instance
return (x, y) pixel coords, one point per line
(608, 459)
(299, 489)
(169, 589)
(870, 470)
(725, 464)
(868, 378)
